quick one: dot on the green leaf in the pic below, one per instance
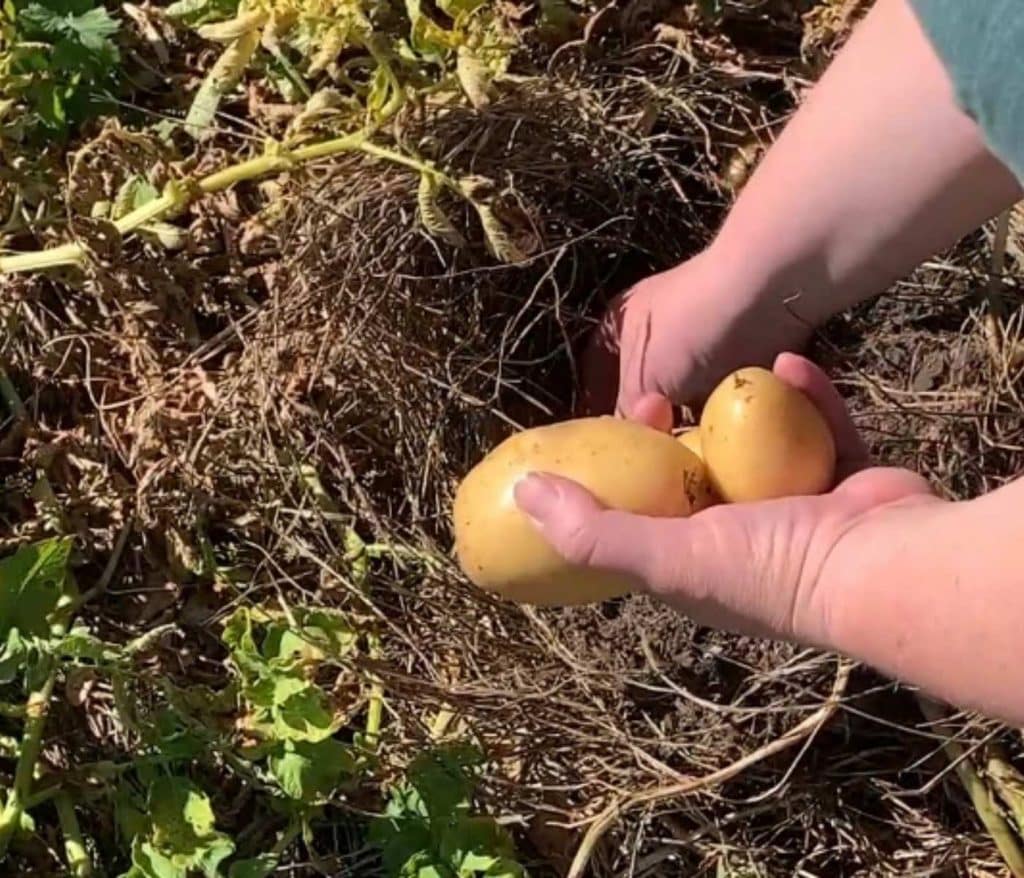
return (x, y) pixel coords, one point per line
(427, 828)
(148, 862)
(80, 644)
(282, 643)
(425, 870)
(419, 864)
(183, 836)
(32, 581)
(129, 813)
(443, 780)
(331, 631)
(403, 843)
(66, 66)
(237, 635)
(426, 37)
(303, 715)
(238, 638)
(355, 554)
(181, 813)
(15, 654)
(309, 771)
(60, 22)
(133, 194)
(174, 739)
(288, 708)
(478, 846)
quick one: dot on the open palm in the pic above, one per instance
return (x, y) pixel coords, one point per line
(754, 568)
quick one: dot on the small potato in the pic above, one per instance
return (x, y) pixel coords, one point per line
(625, 465)
(762, 438)
(705, 496)
(691, 439)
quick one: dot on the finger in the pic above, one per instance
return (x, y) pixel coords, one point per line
(636, 400)
(799, 372)
(653, 410)
(583, 531)
(692, 565)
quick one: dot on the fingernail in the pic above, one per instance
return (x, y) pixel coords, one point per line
(536, 496)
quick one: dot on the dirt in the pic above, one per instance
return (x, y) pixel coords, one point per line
(172, 394)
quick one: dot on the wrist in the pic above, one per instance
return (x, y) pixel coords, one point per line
(873, 591)
(783, 270)
(763, 294)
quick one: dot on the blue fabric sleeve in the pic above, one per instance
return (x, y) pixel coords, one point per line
(981, 44)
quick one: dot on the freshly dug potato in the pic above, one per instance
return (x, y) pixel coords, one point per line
(691, 439)
(762, 438)
(625, 465)
(705, 495)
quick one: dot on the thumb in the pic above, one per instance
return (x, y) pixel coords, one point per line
(583, 531)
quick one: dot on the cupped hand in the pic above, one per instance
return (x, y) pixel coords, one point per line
(672, 337)
(755, 568)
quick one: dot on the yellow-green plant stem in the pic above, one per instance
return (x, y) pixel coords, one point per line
(37, 708)
(375, 710)
(978, 791)
(79, 864)
(178, 196)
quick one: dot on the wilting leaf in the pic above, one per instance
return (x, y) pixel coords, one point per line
(222, 78)
(474, 77)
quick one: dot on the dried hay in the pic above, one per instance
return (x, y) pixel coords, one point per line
(314, 363)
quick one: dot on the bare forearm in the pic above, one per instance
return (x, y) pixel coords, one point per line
(877, 171)
(934, 597)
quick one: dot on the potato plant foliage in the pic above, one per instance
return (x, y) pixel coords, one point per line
(365, 57)
(59, 65)
(353, 65)
(275, 727)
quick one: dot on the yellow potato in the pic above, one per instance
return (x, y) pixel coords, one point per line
(691, 439)
(625, 465)
(705, 495)
(762, 439)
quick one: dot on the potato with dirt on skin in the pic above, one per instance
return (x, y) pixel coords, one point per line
(625, 465)
(762, 439)
(690, 438)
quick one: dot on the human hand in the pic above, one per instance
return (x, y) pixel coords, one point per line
(758, 568)
(863, 184)
(671, 338)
